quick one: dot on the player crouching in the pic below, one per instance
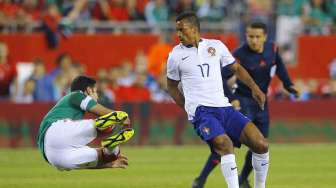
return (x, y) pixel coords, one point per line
(64, 135)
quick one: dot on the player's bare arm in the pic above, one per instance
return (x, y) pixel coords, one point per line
(243, 75)
(175, 92)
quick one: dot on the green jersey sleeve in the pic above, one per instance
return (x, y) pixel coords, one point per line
(82, 101)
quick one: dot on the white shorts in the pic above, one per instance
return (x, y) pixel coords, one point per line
(65, 144)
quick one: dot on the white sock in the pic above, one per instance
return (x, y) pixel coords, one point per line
(229, 170)
(115, 151)
(260, 163)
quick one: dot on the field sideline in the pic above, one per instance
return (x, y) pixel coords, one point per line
(292, 166)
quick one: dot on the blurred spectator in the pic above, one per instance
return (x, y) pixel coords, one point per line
(333, 88)
(331, 5)
(303, 90)
(75, 10)
(115, 10)
(81, 68)
(332, 69)
(211, 10)
(157, 55)
(60, 86)
(288, 26)
(316, 17)
(7, 72)
(102, 74)
(126, 74)
(105, 94)
(64, 65)
(178, 6)
(27, 94)
(261, 10)
(136, 9)
(51, 22)
(159, 90)
(141, 68)
(156, 13)
(43, 85)
(113, 76)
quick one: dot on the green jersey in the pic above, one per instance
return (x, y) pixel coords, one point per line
(72, 106)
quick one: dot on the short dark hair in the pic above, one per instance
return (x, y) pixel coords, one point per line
(82, 82)
(191, 17)
(258, 25)
(61, 57)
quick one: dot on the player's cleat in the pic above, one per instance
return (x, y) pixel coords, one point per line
(110, 119)
(197, 183)
(121, 137)
(245, 184)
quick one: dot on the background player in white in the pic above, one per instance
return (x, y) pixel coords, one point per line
(64, 135)
(196, 63)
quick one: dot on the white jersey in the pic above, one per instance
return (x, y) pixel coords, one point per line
(199, 70)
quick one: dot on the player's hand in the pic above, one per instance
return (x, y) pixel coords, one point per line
(127, 122)
(236, 104)
(120, 162)
(291, 89)
(259, 96)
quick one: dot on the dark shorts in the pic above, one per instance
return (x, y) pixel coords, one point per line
(210, 122)
(251, 109)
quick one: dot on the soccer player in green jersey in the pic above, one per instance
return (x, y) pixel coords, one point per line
(64, 135)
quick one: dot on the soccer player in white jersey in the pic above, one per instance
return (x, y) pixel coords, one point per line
(196, 63)
(64, 135)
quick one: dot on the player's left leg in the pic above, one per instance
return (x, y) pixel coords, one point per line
(252, 137)
(209, 125)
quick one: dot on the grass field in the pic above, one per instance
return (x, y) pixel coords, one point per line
(292, 166)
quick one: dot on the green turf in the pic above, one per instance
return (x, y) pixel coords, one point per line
(292, 166)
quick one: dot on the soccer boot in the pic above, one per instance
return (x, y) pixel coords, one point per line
(116, 139)
(245, 184)
(197, 183)
(110, 119)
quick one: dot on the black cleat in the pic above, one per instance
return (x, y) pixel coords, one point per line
(245, 184)
(197, 183)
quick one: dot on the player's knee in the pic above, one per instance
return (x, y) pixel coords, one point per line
(262, 146)
(224, 150)
(222, 146)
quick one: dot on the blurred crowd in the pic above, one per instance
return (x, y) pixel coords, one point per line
(29, 82)
(143, 80)
(286, 19)
(310, 16)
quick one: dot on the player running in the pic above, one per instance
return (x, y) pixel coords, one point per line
(196, 63)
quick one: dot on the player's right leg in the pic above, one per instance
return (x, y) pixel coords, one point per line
(223, 145)
(211, 130)
(252, 137)
(111, 119)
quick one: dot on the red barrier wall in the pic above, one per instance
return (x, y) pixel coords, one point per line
(94, 51)
(103, 50)
(314, 52)
(314, 55)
